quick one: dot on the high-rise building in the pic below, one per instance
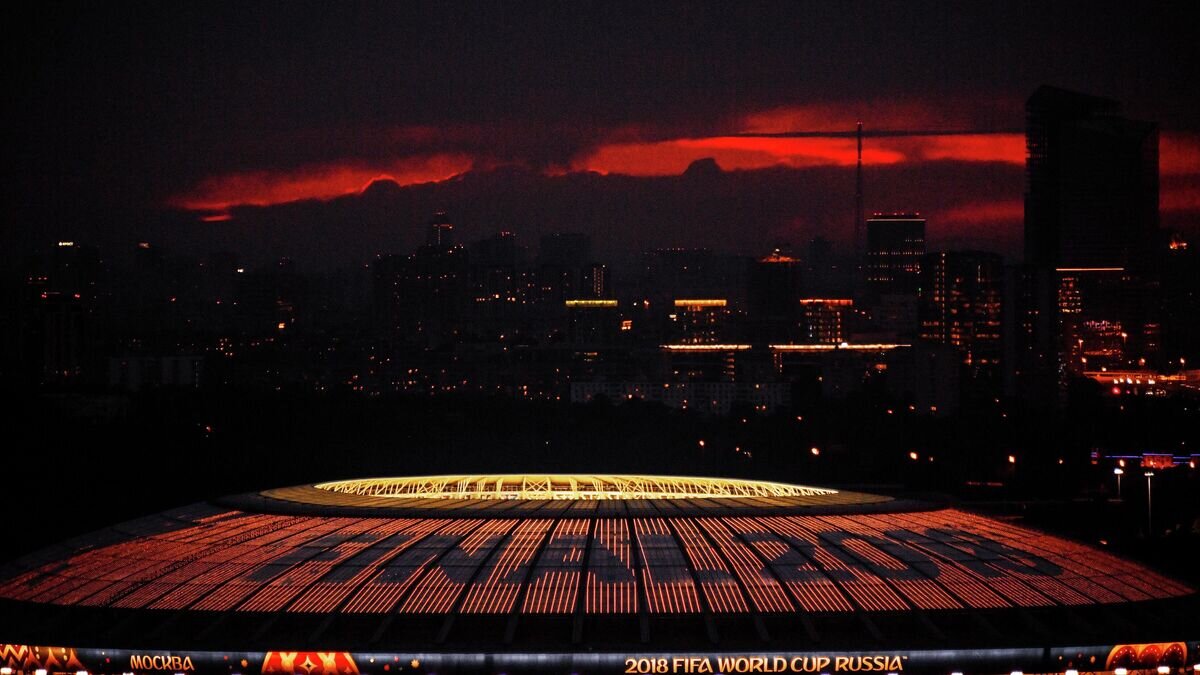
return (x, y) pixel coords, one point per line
(560, 262)
(1092, 193)
(1091, 234)
(595, 282)
(961, 306)
(699, 321)
(421, 298)
(826, 320)
(895, 247)
(774, 297)
(1181, 298)
(895, 250)
(60, 339)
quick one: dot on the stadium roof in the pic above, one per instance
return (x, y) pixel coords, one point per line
(463, 567)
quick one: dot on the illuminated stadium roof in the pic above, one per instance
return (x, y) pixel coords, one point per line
(580, 573)
(567, 486)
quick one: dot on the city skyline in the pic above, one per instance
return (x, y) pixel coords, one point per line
(206, 144)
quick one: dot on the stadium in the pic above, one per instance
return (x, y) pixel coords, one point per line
(583, 574)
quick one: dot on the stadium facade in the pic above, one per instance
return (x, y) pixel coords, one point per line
(575, 574)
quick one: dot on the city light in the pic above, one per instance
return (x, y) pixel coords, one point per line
(815, 451)
(590, 303)
(1071, 671)
(700, 302)
(1163, 670)
(1121, 671)
(1012, 459)
(864, 347)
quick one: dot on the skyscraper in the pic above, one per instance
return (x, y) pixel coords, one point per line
(895, 246)
(895, 249)
(1091, 226)
(1092, 197)
(774, 297)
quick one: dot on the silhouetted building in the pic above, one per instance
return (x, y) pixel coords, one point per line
(420, 299)
(773, 298)
(271, 300)
(592, 322)
(61, 334)
(1181, 303)
(826, 274)
(925, 376)
(560, 263)
(1092, 193)
(1091, 227)
(895, 247)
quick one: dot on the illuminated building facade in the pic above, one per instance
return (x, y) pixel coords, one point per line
(699, 321)
(582, 573)
(826, 320)
(1107, 318)
(895, 250)
(961, 303)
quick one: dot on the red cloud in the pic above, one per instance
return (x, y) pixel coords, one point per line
(626, 154)
(740, 152)
(663, 158)
(263, 188)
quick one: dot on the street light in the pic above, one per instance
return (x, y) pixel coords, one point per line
(1119, 472)
(1149, 506)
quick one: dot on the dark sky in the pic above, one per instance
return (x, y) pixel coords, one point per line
(195, 124)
